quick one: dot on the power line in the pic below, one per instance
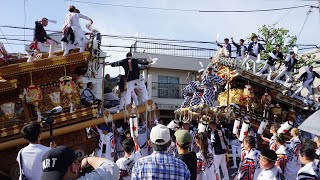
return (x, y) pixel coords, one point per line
(258, 10)
(144, 39)
(188, 10)
(4, 37)
(304, 23)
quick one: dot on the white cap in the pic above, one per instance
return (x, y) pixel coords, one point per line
(201, 71)
(160, 132)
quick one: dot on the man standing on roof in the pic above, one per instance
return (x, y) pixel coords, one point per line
(41, 39)
(132, 74)
(289, 63)
(307, 78)
(241, 49)
(274, 56)
(254, 50)
(226, 45)
(72, 20)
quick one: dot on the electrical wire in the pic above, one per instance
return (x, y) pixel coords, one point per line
(188, 10)
(25, 18)
(4, 37)
(137, 38)
(304, 23)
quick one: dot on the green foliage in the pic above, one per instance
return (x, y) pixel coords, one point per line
(306, 60)
(270, 35)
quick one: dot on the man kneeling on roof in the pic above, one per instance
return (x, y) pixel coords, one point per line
(41, 39)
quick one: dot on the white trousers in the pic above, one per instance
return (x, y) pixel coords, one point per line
(130, 88)
(42, 48)
(123, 99)
(304, 85)
(265, 67)
(286, 73)
(246, 63)
(80, 41)
(220, 160)
(235, 147)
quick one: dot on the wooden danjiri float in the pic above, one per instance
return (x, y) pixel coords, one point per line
(28, 90)
(247, 98)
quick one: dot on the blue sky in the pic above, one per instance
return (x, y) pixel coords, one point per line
(165, 24)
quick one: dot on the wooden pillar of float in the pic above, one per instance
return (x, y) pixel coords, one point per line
(26, 111)
(72, 128)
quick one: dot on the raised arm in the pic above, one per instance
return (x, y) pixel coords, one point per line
(117, 63)
(86, 18)
(142, 61)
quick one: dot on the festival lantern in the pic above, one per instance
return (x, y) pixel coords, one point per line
(236, 126)
(134, 126)
(285, 127)
(266, 102)
(55, 98)
(68, 87)
(248, 94)
(262, 126)
(244, 130)
(8, 109)
(35, 95)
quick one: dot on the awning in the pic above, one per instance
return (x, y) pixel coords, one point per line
(312, 124)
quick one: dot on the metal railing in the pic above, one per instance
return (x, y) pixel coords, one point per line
(167, 90)
(172, 49)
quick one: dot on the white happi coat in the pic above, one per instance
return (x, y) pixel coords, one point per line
(310, 171)
(108, 141)
(205, 167)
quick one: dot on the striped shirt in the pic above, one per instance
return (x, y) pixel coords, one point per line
(160, 165)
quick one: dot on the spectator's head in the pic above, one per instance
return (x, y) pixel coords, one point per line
(160, 137)
(186, 125)
(105, 128)
(294, 132)
(128, 145)
(129, 55)
(90, 85)
(241, 41)
(209, 70)
(60, 163)
(107, 76)
(254, 38)
(249, 142)
(226, 40)
(127, 134)
(307, 153)
(292, 54)
(310, 143)
(183, 139)
(44, 22)
(212, 125)
(274, 128)
(267, 159)
(317, 140)
(278, 47)
(202, 143)
(280, 139)
(72, 8)
(32, 132)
